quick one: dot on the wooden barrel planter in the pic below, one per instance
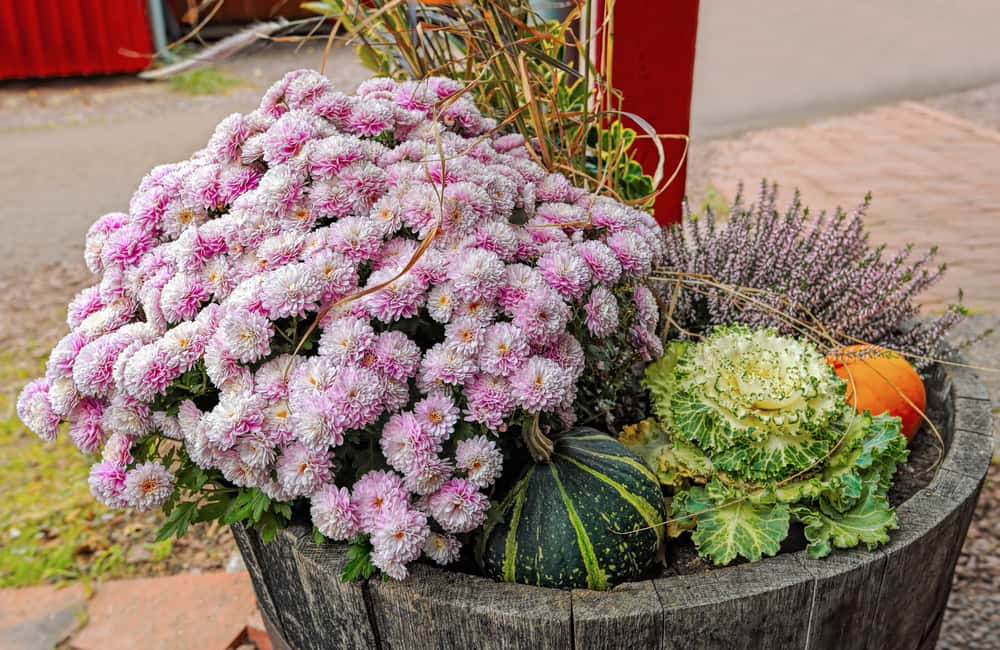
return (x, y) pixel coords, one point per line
(893, 597)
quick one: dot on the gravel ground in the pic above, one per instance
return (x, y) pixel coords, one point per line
(973, 617)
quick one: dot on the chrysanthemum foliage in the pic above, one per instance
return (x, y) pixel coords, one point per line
(459, 289)
(752, 432)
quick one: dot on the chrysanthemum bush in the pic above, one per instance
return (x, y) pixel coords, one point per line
(462, 295)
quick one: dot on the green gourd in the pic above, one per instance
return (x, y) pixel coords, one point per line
(588, 517)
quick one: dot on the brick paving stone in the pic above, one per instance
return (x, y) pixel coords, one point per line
(207, 611)
(932, 175)
(38, 618)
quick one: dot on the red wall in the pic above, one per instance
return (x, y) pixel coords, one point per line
(55, 38)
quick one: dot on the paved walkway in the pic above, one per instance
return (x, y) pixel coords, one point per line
(933, 177)
(213, 611)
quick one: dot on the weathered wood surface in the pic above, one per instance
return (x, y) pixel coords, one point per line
(893, 597)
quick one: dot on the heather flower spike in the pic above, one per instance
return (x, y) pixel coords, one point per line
(817, 270)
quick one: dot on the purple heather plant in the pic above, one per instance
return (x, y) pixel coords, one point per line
(821, 271)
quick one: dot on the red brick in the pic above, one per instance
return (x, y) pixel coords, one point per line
(932, 175)
(208, 612)
(256, 632)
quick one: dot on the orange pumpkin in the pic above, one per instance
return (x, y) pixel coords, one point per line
(880, 378)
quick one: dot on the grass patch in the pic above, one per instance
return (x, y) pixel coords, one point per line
(204, 81)
(51, 528)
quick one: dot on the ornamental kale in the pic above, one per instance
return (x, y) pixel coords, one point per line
(754, 432)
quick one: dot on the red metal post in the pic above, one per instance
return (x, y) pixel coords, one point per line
(653, 67)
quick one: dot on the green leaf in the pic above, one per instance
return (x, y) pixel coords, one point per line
(868, 523)
(178, 521)
(359, 562)
(726, 530)
(324, 8)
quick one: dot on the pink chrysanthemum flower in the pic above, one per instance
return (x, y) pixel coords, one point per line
(271, 379)
(647, 342)
(374, 494)
(396, 355)
(480, 459)
(398, 539)
(286, 137)
(441, 302)
(118, 450)
(632, 252)
(290, 291)
(128, 417)
(182, 296)
(64, 354)
(346, 340)
(565, 271)
(443, 549)
(148, 373)
(238, 413)
(443, 364)
(370, 118)
(458, 506)
(505, 348)
(329, 155)
(602, 312)
(476, 275)
(84, 304)
(404, 443)
(401, 298)
(97, 237)
(356, 392)
(183, 345)
(148, 486)
(465, 334)
(518, 281)
(301, 470)
(35, 410)
(543, 313)
(333, 514)
(568, 353)
(437, 416)
(126, 245)
(246, 335)
(85, 425)
(63, 396)
(646, 307)
(490, 400)
(107, 484)
(256, 451)
(428, 474)
(539, 385)
(601, 260)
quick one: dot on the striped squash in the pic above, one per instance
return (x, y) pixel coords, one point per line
(565, 523)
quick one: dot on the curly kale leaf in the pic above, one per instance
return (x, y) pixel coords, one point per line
(674, 461)
(868, 523)
(730, 528)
